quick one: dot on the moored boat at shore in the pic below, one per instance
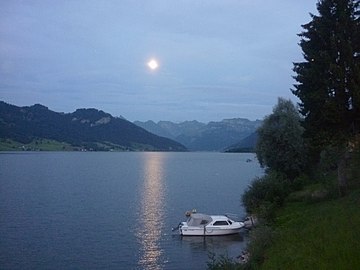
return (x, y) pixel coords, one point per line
(206, 225)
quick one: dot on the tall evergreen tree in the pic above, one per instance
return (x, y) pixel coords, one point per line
(328, 81)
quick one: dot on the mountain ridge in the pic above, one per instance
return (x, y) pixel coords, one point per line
(198, 136)
(85, 128)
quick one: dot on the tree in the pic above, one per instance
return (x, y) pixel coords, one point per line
(280, 144)
(328, 81)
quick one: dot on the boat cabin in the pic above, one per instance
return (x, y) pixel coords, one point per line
(199, 220)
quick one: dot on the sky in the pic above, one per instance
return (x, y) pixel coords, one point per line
(217, 59)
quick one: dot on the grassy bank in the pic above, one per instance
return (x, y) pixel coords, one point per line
(322, 235)
(35, 145)
(52, 145)
(307, 232)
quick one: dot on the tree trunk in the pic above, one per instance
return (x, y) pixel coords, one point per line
(342, 177)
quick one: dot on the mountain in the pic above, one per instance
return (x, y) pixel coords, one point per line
(84, 128)
(197, 136)
(172, 130)
(245, 145)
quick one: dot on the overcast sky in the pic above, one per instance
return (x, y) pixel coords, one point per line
(217, 58)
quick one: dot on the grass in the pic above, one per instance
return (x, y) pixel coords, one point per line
(314, 229)
(322, 235)
(52, 145)
(35, 145)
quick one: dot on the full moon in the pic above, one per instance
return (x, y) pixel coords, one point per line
(153, 64)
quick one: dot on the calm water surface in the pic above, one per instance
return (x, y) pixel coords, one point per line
(116, 210)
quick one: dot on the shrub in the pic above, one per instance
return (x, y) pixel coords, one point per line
(300, 182)
(266, 193)
(222, 262)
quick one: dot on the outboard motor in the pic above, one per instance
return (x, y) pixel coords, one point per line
(177, 228)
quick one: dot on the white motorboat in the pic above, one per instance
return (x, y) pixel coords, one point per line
(202, 224)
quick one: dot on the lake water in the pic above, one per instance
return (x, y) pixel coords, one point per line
(68, 210)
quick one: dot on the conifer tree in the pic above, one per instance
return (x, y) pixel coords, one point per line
(328, 81)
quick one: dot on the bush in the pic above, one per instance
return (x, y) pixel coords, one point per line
(300, 182)
(222, 262)
(261, 238)
(266, 193)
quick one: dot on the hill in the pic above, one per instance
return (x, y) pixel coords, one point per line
(89, 129)
(245, 145)
(197, 136)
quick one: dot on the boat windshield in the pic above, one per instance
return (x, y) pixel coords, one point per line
(199, 220)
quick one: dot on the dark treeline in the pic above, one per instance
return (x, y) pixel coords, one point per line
(323, 137)
(318, 142)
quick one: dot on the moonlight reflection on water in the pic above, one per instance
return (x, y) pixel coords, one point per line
(151, 213)
(116, 210)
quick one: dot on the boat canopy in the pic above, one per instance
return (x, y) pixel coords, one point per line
(197, 219)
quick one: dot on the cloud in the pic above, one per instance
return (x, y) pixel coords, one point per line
(217, 57)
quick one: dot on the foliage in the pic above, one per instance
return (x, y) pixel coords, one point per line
(280, 144)
(85, 128)
(266, 193)
(354, 169)
(261, 239)
(328, 85)
(222, 262)
(328, 81)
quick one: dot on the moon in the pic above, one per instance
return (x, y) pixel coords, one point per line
(153, 64)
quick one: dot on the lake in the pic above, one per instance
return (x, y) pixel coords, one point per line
(102, 210)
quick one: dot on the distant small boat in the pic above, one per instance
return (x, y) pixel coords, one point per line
(204, 225)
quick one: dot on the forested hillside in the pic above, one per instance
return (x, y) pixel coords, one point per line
(84, 128)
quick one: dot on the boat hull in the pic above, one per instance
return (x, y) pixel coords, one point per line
(209, 230)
